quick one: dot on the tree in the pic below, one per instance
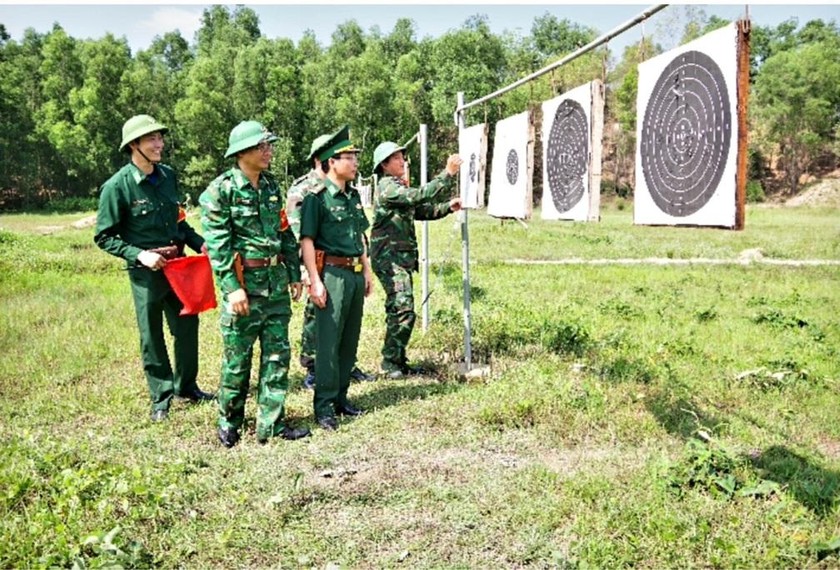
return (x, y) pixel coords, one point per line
(61, 73)
(97, 115)
(796, 99)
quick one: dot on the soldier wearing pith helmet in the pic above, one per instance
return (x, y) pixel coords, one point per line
(140, 220)
(393, 243)
(254, 256)
(332, 229)
(294, 200)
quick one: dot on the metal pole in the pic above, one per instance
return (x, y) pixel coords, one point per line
(574, 55)
(424, 178)
(465, 255)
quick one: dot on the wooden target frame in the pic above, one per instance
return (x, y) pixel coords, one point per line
(691, 133)
(572, 131)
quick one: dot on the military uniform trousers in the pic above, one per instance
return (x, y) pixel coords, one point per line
(153, 298)
(268, 321)
(399, 313)
(308, 344)
(338, 326)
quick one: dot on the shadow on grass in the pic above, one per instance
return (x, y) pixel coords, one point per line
(680, 416)
(393, 392)
(813, 486)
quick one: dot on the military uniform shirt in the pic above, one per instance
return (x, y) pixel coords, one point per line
(237, 217)
(335, 220)
(396, 208)
(294, 198)
(138, 212)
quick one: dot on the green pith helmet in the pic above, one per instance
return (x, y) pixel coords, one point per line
(248, 134)
(385, 150)
(137, 126)
(317, 145)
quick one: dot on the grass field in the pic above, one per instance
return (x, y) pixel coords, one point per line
(648, 416)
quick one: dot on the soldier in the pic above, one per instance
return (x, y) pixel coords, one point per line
(294, 200)
(255, 258)
(393, 244)
(139, 219)
(334, 249)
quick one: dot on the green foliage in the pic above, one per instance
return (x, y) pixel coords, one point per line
(65, 99)
(755, 192)
(710, 466)
(73, 204)
(795, 98)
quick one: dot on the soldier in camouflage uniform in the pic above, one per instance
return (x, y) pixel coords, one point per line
(244, 220)
(393, 243)
(294, 200)
(139, 220)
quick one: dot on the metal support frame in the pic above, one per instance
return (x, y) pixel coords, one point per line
(460, 121)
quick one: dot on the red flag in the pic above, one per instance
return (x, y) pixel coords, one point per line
(192, 280)
(182, 214)
(284, 221)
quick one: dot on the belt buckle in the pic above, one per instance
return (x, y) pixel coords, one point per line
(357, 265)
(273, 261)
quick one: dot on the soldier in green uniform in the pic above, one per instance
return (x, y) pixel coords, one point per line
(139, 220)
(332, 231)
(255, 258)
(393, 243)
(294, 200)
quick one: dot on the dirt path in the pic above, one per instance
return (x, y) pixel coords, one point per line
(669, 261)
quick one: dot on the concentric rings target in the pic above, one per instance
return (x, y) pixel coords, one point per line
(686, 133)
(567, 155)
(512, 167)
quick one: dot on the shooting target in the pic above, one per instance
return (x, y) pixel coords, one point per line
(685, 152)
(510, 177)
(568, 143)
(472, 143)
(686, 134)
(512, 168)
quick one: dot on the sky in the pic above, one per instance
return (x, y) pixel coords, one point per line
(140, 23)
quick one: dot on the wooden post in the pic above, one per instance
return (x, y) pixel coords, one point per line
(743, 93)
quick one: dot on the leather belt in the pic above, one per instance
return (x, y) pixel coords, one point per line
(168, 251)
(352, 263)
(267, 262)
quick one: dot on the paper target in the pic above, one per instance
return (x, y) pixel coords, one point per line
(685, 160)
(571, 131)
(472, 148)
(510, 174)
(512, 167)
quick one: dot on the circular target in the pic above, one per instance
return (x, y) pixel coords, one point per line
(686, 134)
(512, 167)
(473, 168)
(567, 154)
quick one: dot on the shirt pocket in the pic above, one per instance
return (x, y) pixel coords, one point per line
(246, 214)
(143, 214)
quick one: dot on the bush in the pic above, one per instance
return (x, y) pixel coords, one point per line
(73, 204)
(755, 192)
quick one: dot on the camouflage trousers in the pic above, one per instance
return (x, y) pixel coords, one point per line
(399, 313)
(268, 321)
(308, 340)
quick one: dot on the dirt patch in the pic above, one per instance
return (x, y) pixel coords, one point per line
(86, 222)
(47, 230)
(826, 192)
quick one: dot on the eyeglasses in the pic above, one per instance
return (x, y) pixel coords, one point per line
(265, 147)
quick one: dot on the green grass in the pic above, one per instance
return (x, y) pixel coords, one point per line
(633, 415)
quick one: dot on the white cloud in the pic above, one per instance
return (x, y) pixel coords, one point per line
(168, 19)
